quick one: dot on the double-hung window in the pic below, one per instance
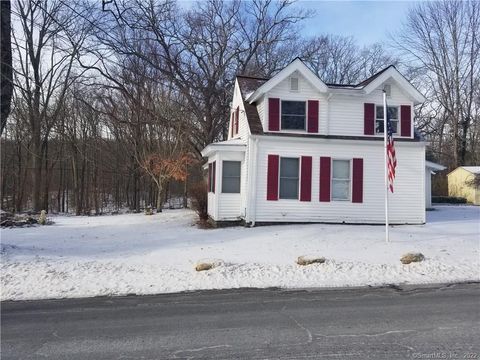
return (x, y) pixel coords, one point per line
(341, 180)
(293, 115)
(231, 176)
(392, 114)
(289, 175)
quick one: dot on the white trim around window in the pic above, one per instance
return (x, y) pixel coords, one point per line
(395, 121)
(305, 116)
(297, 178)
(341, 179)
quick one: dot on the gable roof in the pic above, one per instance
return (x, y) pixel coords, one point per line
(295, 65)
(471, 169)
(258, 86)
(376, 80)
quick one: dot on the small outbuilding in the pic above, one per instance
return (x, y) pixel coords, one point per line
(460, 183)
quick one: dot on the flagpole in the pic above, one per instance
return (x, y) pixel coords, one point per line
(385, 155)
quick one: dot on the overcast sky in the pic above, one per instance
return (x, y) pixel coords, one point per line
(367, 21)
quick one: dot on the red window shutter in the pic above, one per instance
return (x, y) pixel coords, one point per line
(325, 181)
(357, 181)
(312, 116)
(306, 179)
(213, 176)
(273, 114)
(272, 177)
(209, 176)
(406, 120)
(237, 119)
(232, 122)
(368, 119)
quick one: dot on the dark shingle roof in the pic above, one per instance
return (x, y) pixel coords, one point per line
(373, 77)
(247, 85)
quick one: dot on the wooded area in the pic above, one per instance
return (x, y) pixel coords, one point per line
(113, 101)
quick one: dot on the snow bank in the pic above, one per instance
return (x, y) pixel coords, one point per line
(138, 254)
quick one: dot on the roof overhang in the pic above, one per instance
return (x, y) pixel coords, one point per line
(394, 74)
(229, 145)
(434, 166)
(295, 65)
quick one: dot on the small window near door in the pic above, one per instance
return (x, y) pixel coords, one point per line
(231, 177)
(289, 170)
(341, 180)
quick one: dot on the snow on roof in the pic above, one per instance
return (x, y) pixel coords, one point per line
(227, 145)
(230, 142)
(472, 169)
(434, 166)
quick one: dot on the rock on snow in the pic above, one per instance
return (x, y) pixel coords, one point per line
(134, 253)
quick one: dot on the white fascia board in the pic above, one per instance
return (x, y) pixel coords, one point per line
(402, 82)
(296, 65)
(434, 166)
(215, 147)
(282, 139)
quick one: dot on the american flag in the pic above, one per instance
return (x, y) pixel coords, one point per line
(392, 159)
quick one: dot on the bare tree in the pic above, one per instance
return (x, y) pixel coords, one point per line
(45, 51)
(339, 60)
(6, 63)
(440, 41)
(199, 51)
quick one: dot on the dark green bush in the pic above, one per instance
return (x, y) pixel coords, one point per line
(449, 200)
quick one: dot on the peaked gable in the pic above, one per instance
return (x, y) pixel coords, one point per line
(296, 65)
(391, 72)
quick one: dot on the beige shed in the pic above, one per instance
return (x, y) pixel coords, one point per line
(459, 183)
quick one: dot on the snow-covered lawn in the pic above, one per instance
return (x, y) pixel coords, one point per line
(134, 253)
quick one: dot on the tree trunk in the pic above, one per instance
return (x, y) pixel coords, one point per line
(36, 169)
(159, 204)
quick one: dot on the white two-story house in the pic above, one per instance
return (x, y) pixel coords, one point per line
(301, 150)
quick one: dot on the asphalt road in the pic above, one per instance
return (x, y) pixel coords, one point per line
(441, 322)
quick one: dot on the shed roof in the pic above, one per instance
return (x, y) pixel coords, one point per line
(472, 169)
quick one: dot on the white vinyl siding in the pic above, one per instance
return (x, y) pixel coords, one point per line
(305, 92)
(228, 206)
(346, 113)
(407, 204)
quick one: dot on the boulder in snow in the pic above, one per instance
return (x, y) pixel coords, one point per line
(203, 266)
(412, 257)
(308, 260)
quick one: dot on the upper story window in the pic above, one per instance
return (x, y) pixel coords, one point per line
(293, 115)
(341, 180)
(231, 176)
(294, 83)
(393, 115)
(289, 174)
